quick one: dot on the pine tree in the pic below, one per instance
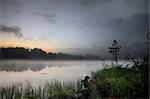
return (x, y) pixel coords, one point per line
(114, 50)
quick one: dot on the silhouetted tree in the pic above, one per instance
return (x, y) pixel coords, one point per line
(114, 50)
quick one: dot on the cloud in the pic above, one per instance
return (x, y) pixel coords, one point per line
(136, 25)
(87, 2)
(43, 8)
(46, 16)
(12, 6)
(18, 11)
(127, 8)
(12, 29)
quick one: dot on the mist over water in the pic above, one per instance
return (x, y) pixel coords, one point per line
(40, 72)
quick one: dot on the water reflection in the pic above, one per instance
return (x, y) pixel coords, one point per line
(25, 65)
(39, 72)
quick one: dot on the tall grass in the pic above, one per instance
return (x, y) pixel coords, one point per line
(48, 91)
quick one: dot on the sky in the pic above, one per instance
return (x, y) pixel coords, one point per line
(75, 26)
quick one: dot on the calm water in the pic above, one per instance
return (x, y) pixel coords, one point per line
(39, 72)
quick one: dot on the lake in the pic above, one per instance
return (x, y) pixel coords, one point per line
(39, 72)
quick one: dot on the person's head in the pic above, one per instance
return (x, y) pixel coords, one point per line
(86, 77)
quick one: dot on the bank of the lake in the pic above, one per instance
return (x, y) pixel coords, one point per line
(110, 82)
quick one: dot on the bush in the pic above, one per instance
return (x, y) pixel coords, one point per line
(119, 82)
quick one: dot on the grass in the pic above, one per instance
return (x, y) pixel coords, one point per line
(115, 82)
(112, 82)
(49, 90)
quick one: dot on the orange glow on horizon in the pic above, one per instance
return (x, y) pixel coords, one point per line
(26, 44)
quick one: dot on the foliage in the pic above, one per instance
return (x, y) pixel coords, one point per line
(120, 82)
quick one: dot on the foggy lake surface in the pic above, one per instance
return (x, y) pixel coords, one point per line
(39, 72)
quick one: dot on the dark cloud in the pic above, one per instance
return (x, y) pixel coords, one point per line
(87, 2)
(46, 16)
(12, 6)
(12, 29)
(135, 26)
(18, 11)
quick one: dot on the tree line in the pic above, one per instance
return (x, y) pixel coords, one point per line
(36, 53)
